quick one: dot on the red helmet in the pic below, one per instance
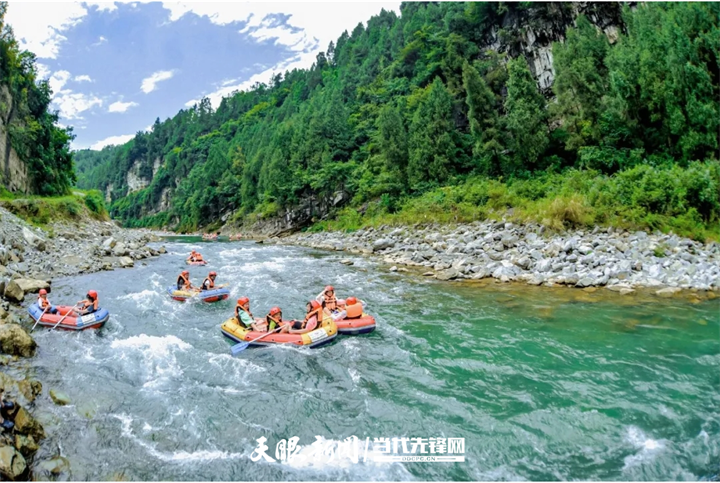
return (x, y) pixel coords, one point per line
(350, 301)
(185, 272)
(193, 251)
(243, 300)
(43, 291)
(93, 294)
(329, 288)
(213, 274)
(314, 304)
(275, 311)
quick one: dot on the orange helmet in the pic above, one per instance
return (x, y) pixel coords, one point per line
(93, 294)
(350, 301)
(43, 291)
(314, 304)
(185, 272)
(213, 274)
(193, 251)
(329, 288)
(243, 300)
(275, 311)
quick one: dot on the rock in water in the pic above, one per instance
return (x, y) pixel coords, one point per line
(15, 341)
(14, 292)
(126, 262)
(25, 444)
(54, 467)
(12, 463)
(27, 425)
(59, 398)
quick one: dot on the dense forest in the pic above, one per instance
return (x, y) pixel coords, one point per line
(423, 113)
(27, 122)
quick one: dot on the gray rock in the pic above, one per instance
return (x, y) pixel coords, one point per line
(15, 341)
(126, 262)
(59, 398)
(12, 463)
(32, 286)
(449, 274)
(382, 244)
(14, 292)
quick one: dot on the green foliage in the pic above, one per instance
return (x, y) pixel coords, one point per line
(33, 134)
(47, 209)
(96, 203)
(410, 120)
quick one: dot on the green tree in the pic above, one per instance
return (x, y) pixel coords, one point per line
(526, 119)
(431, 147)
(393, 143)
(484, 122)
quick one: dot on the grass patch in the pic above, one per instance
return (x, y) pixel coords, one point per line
(41, 211)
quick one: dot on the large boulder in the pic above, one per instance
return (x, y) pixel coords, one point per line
(14, 292)
(25, 444)
(15, 341)
(12, 463)
(120, 250)
(126, 262)
(29, 285)
(382, 244)
(33, 240)
(27, 425)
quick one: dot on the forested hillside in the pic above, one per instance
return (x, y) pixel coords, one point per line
(574, 113)
(34, 152)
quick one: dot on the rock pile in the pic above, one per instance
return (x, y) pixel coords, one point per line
(616, 259)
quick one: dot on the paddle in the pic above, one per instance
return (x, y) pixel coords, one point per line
(63, 317)
(241, 346)
(37, 321)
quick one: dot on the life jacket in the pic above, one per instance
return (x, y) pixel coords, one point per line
(182, 282)
(354, 311)
(308, 323)
(91, 307)
(329, 303)
(272, 323)
(210, 284)
(237, 312)
(43, 303)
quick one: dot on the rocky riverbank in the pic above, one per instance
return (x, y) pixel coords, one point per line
(29, 259)
(618, 260)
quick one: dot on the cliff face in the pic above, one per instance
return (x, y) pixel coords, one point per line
(531, 32)
(13, 172)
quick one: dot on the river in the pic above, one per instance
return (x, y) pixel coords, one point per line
(543, 384)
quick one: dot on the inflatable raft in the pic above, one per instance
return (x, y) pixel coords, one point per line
(360, 325)
(209, 296)
(320, 336)
(201, 262)
(71, 322)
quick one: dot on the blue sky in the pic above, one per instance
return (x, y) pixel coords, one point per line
(115, 67)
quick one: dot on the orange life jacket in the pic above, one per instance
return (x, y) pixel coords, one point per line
(237, 313)
(308, 323)
(211, 283)
(43, 303)
(329, 303)
(354, 311)
(185, 281)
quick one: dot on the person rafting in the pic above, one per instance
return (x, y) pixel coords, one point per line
(329, 303)
(312, 319)
(183, 281)
(209, 282)
(44, 303)
(274, 320)
(245, 317)
(353, 308)
(89, 305)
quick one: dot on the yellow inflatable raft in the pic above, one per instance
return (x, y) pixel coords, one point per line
(320, 336)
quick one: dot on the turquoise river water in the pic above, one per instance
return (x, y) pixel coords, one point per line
(542, 384)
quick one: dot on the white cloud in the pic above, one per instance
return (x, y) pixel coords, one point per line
(309, 30)
(112, 140)
(58, 80)
(71, 104)
(120, 106)
(38, 27)
(83, 78)
(43, 71)
(149, 83)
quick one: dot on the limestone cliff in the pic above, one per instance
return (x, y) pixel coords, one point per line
(13, 172)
